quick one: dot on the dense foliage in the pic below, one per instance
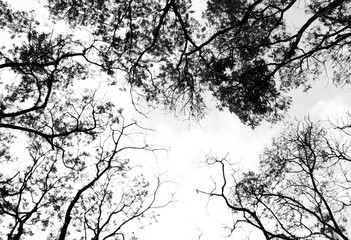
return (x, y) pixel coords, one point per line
(243, 52)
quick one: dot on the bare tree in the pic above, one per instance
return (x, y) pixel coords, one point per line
(302, 190)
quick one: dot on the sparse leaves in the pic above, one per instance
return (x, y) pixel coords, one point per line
(302, 190)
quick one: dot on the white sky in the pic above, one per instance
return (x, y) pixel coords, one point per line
(218, 133)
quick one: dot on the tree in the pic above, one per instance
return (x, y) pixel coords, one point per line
(243, 52)
(257, 50)
(77, 177)
(302, 190)
(87, 190)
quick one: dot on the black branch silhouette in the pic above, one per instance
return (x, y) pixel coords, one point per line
(91, 192)
(302, 190)
(243, 52)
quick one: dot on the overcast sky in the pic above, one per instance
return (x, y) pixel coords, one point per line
(218, 133)
(221, 133)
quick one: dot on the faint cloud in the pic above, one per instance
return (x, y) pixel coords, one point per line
(333, 108)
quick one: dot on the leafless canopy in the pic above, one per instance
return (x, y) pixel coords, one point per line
(303, 188)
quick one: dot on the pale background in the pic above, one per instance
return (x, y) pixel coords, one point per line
(192, 214)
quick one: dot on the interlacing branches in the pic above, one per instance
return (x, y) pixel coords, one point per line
(302, 190)
(92, 191)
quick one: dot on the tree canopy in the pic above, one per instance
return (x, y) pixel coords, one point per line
(77, 188)
(243, 53)
(302, 190)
